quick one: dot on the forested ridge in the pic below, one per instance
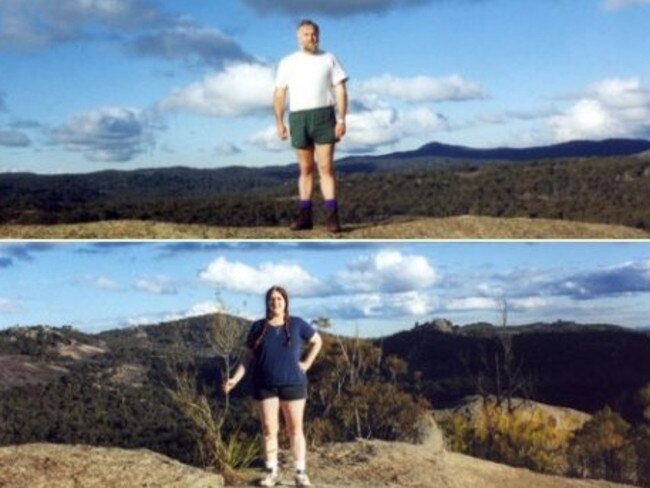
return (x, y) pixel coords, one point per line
(611, 190)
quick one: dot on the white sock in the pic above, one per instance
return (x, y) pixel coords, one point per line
(272, 464)
(300, 466)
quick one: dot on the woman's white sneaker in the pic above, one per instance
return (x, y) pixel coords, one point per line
(271, 478)
(302, 479)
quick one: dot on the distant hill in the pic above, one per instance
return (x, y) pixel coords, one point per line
(563, 363)
(571, 149)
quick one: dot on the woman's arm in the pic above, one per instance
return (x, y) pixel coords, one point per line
(316, 342)
(240, 371)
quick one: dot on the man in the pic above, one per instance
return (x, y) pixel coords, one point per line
(315, 82)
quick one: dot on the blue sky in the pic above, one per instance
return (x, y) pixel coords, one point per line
(88, 85)
(375, 288)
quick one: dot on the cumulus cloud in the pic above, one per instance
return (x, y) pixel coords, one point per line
(381, 126)
(620, 4)
(157, 285)
(268, 140)
(333, 8)
(633, 277)
(243, 278)
(14, 138)
(240, 89)
(412, 303)
(611, 108)
(108, 134)
(41, 22)
(386, 272)
(189, 42)
(422, 88)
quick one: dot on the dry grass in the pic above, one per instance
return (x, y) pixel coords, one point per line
(462, 227)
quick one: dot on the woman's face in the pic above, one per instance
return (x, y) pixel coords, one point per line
(277, 304)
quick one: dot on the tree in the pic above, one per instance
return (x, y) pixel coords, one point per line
(603, 448)
(227, 338)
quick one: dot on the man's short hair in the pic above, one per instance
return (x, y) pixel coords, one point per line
(309, 22)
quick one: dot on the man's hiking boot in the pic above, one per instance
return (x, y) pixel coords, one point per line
(333, 224)
(270, 479)
(303, 220)
(302, 479)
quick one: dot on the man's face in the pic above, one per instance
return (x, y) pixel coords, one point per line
(308, 38)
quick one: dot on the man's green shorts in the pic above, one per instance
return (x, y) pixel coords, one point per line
(314, 126)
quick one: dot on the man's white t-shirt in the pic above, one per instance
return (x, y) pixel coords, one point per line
(310, 79)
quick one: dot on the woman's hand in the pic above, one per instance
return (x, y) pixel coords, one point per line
(304, 366)
(228, 385)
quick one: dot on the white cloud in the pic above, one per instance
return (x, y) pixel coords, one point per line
(471, 303)
(611, 108)
(528, 303)
(243, 278)
(386, 272)
(114, 134)
(490, 303)
(619, 4)
(422, 88)
(9, 306)
(204, 308)
(369, 130)
(268, 140)
(408, 304)
(240, 89)
(157, 285)
(103, 282)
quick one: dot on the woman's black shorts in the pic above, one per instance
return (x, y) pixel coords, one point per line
(287, 392)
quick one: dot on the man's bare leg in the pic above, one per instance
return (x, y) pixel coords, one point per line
(325, 159)
(306, 178)
(306, 163)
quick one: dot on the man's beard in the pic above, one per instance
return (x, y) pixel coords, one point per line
(311, 47)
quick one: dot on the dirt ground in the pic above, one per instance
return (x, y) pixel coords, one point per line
(393, 464)
(356, 464)
(462, 227)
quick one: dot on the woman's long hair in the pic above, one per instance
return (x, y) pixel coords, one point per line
(269, 316)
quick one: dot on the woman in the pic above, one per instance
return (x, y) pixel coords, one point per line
(274, 347)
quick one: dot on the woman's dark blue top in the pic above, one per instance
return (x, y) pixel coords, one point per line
(276, 363)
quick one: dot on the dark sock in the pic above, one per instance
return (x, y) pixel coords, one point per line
(331, 205)
(304, 204)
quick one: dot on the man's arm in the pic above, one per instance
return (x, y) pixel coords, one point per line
(279, 100)
(341, 93)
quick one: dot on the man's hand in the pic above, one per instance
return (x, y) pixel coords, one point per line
(339, 130)
(282, 131)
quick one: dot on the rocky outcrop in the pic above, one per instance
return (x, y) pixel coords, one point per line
(62, 466)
